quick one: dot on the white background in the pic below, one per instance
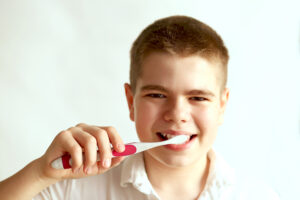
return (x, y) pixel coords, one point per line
(65, 62)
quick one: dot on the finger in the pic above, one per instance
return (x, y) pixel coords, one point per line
(89, 143)
(115, 139)
(103, 142)
(98, 168)
(70, 145)
(114, 162)
(112, 133)
(101, 134)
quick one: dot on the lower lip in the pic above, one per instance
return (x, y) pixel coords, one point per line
(181, 147)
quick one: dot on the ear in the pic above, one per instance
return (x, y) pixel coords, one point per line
(129, 97)
(223, 103)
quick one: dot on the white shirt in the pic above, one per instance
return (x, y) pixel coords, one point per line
(129, 181)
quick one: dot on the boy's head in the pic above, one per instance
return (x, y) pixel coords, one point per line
(178, 76)
(181, 36)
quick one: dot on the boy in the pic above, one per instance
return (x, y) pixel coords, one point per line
(178, 75)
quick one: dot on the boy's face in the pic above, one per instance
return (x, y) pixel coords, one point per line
(178, 95)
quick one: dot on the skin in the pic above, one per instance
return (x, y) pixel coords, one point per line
(39, 174)
(180, 94)
(188, 99)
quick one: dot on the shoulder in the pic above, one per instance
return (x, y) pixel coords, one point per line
(242, 186)
(254, 188)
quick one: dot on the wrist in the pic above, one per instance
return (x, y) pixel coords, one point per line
(26, 183)
(41, 176)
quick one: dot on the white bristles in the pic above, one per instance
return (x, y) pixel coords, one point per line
(180, 139)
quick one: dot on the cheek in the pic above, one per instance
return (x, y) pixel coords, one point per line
(206, 118)
(206, 115)
(207, 125)
(145, 115)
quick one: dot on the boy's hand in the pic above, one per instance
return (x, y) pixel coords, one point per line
(76, 141)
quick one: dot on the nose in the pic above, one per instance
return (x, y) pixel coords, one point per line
(177, 111)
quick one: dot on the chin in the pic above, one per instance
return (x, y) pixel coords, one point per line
(172, 161)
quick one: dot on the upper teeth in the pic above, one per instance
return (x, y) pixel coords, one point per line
(169, 136)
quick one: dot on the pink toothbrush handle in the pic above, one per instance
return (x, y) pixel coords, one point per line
(129, 149)
(66, 161)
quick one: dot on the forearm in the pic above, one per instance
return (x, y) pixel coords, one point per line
(25, 184)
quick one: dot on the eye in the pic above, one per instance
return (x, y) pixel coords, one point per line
(155, 95)
(198, 99)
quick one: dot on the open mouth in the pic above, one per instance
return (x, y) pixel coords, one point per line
(165, 136)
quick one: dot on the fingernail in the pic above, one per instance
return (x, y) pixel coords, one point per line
(106, 163)
(121, 147)
(87, 170)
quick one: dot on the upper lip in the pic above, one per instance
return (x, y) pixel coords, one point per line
(177, 132)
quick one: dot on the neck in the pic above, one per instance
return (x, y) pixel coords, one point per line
(187, 180)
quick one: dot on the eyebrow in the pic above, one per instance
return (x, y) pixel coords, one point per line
(154, 87)
(201, 92)
(192, 92)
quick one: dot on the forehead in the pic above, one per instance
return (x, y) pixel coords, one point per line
(179, 72)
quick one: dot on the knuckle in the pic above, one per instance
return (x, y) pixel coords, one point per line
(101, 132)
(63, 134)
(105, 155)
(76, 161)
(75, 149)
(90, 160)
(80, 125)
(111, 129)
(91, 140)
(73, 129)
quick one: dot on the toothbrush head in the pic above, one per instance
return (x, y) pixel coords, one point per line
(180, 139)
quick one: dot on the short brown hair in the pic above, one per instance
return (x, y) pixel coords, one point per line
(179, 35)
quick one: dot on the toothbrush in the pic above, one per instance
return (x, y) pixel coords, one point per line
(65, 162)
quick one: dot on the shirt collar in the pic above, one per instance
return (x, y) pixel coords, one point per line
(133, 172)
(219, 171)
(220, 176)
